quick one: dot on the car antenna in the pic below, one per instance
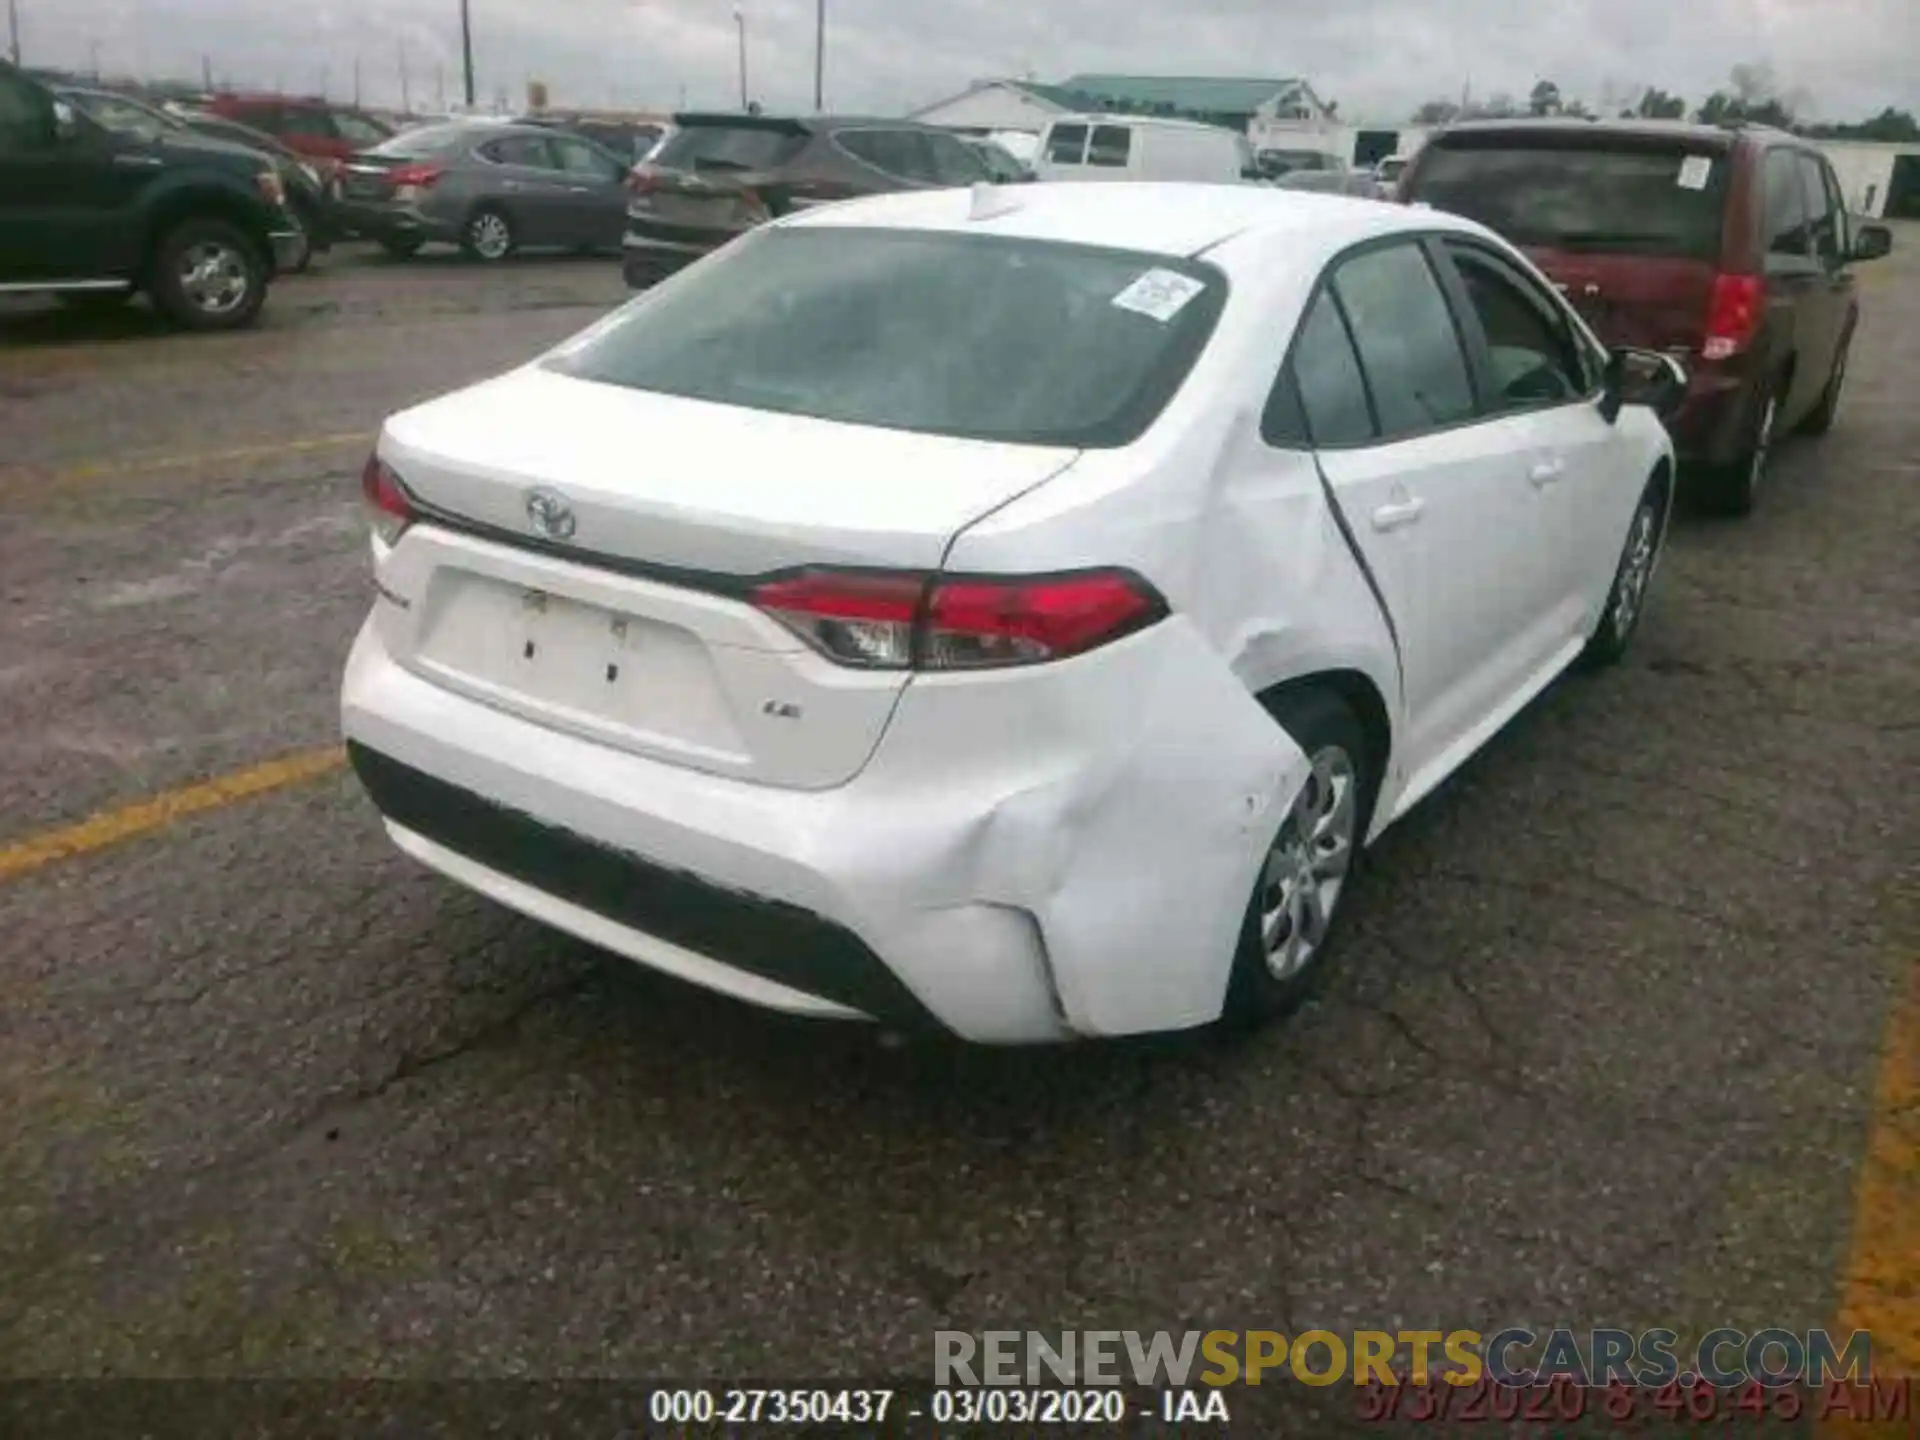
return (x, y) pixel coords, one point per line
(990, 200)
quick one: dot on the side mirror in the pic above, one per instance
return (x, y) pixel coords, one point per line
(1871, 242)
(1643, 377)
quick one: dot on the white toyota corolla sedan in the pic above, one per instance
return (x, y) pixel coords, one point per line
(1009, 611)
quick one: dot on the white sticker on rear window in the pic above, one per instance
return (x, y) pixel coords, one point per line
(1161, 294)
(1694, 171)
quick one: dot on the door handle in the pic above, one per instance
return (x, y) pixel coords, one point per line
(1400, 512)
(1545, 472)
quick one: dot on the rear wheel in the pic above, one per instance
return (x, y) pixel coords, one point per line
(1292, 915)
(488, 235)
(1731, 489)
(208, 276)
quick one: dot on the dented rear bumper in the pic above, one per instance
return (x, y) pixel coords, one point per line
(1029, 855)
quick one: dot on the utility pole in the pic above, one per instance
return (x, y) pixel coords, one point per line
(819, 53)
(206, 73)
(740, 20)
(13, 29)
(466, 48)
(356, 81)
(406, 98)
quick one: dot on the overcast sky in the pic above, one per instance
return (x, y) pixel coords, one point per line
(1378, 58)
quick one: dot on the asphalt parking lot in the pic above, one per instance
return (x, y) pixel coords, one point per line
(1624, 1032)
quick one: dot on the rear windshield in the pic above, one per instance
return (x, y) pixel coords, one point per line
(427, 140)
(1653, 201)
(984, 337)
(729, 147)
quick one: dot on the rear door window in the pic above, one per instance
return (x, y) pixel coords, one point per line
(1067, 145)
(1788, 225)
(1409, 346)
(314, 124)
(527, 151)
(1110, 145)
(902, 154)
(1326, 382)
(1650, 200)
(357, 130)
(729, 147)
(954, 163)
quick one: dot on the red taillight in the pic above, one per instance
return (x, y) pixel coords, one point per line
(643, 180)
(892, 620)
(1733, 315)
(389, 510)
(420, 177)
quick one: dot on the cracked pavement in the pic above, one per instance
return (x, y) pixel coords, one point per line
(274, 1101)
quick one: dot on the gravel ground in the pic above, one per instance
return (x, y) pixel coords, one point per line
(276, 1102)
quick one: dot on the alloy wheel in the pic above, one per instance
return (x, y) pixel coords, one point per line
(1307, 867)
(1636, 568)
(214, 277)
(1762, 443)
(489, 236)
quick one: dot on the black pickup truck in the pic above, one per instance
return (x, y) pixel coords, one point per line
(93, 216)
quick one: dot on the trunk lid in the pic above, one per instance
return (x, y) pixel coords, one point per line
(712, 171)
(633, 627)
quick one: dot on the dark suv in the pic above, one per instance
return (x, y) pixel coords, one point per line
(1729, 249)
(720, 175)
(92, 215)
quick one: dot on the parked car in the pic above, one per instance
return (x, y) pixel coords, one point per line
(1139, 147)
(1358, 183)
(1273, 163)
(721, 175)
(93, 214)
(1035, 618)
(306, 193)
(1001, 166)
(490, 189)
(309, 125)
(1730, 248)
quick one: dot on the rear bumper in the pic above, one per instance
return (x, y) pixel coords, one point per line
(652, 252)
(372, 220)
(1088, 879)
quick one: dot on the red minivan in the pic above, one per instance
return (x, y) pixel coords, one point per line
(308, 125)
(1729, 249)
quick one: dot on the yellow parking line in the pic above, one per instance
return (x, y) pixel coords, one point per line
(138, 464)
(1881, 1290)
(129, 822)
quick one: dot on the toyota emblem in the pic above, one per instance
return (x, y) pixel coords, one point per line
(550, 515)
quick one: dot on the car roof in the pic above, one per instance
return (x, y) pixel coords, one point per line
(1687, 130)
(1160, 218)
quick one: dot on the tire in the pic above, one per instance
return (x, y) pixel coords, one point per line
(401, 248)
(1731, 489)
(1282, 952)
(1627, 596)
(303, 261)
(487, 235)
(1822, 418)
(207, 275)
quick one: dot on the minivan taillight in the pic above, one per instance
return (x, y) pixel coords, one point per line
(389, 510)
(908, 620)
(1734, 310)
